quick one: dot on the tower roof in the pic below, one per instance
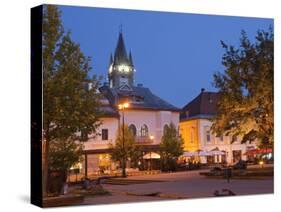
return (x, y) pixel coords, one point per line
(120, 55)
(131, 59)
(110, 59)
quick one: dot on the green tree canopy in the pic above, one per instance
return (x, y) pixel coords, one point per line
(64, 154)
(171, 147)
(245, 107)
(130, 150)
(69, 106)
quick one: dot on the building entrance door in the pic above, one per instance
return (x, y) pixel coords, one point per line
(236, 155)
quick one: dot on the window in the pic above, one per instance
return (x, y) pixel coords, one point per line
(84, 135)
(104, 134)
(234, 138)
(133, 129)
(144, 131)
(123, 81)
(220, 138)
(207, 134)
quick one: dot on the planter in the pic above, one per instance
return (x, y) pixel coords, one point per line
(56, 182)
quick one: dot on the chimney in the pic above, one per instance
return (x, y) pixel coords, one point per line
(202, 90)
(140, 85)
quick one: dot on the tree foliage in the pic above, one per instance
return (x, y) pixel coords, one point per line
(129, 151)
(69, 106)
(64, 154)
(245, 107)
(171, 147)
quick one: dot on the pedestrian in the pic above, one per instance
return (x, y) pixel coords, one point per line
(228, 174)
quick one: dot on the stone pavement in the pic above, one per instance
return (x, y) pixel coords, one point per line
(188, 184)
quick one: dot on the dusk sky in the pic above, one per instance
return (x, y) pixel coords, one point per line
(175, 54)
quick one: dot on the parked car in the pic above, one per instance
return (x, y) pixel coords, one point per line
(241, 164)
(216, 171)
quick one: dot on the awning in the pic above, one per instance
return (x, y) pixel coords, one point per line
(258, 151)
(151, 155)
(204, 153)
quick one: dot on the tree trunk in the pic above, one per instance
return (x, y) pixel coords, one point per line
(46, 169)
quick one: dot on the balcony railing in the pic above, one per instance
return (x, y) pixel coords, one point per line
(143, 139)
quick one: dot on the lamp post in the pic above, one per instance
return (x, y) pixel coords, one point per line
(151, 138)
(122, 108)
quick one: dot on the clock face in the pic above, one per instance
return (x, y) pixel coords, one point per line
(124, 68)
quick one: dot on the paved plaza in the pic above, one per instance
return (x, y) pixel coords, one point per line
(179, 185)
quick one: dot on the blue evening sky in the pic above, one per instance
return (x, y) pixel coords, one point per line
(175, 54)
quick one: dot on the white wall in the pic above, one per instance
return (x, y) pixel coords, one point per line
(96, 142)
(155, 121)
(225, 145)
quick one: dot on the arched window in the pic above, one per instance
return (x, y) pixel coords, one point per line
(144, 131)
(165, 128)
(133, 129)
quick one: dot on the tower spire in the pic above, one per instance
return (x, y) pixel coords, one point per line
(131, 58)
(120, 28)
(121, 69)
(110, 59)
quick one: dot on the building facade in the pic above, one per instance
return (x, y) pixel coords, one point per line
(146, 116)
(195, 129)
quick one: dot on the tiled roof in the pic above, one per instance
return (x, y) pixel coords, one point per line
(204, 105)
(139, 98)
(108, 111)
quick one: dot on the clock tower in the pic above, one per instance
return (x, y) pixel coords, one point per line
(121, 69)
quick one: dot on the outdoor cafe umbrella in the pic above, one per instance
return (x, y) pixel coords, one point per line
(216, 151)
(189, 154)
(203, 153)
(151, 155)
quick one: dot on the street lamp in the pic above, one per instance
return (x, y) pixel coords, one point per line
(122, 107)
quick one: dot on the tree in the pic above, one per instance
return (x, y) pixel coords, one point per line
(245, 106)
(69, 107)
(63, 155)
(52, 33)
(171, 147)
(126, 152)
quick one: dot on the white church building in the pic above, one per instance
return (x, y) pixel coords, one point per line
(146, 115)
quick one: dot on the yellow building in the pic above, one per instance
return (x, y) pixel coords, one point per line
(190, 134)
(195, 129)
